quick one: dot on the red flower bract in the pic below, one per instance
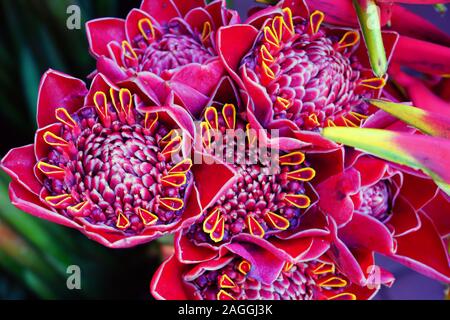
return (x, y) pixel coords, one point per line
(107, 164)
(255, 270)
(174, 39)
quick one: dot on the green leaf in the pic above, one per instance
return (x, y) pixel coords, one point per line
(430, 123)
(369, 21)
(429, 154)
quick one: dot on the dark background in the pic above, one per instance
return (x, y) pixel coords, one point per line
(34, 253)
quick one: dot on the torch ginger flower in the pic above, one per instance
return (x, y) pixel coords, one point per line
(174, 40)
(301, 74)
(107, 164)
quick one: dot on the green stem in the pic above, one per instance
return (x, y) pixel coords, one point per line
(369, 21)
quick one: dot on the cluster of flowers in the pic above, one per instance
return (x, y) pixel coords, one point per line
(117, 161)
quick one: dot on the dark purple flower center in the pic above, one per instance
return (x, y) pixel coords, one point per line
(115, 169)
(313, 78)
(173, 46)
(260, 202)
(376, 201)
(173, 51)
(302, 281)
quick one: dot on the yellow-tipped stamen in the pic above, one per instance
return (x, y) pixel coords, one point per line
(225, 282)
(288, 266)
(77, 209)
(212, 118)
(270, 37)
(358, 116)
(283, 103)
(126, 100)
(173, 134)
(223, 295)
(147, 217)
(63, 116)
(206, 135)
(101, 103)
(229, 115)
(303, 174)
(174, 180)
(211, 221)
(142, 24)
(173, 204)
(298, 200)
(266, 56)
(151, 120)
(128, 51)
(343, 296)
(349, 39)
(53, 140)
(324, 268)
(330, 123)
(277, 27)
(332, 282)
(122, 221)
(218, 231)
(349, 123)
(59, 201)
(277, 221)
(292, 159)
(290, 20)
(316, 20)
(181, 167)
(173, 146)
(50, 170)
(314, 119)
(207, 29)
(267, 71)
(251, 135)
(114, 100)
(373, 83)
(254, 227)
(244, 267)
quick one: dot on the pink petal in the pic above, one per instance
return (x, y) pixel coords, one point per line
(189, 252)
(185, 6)
(371, 170)
(407, 22)
(202, 78)
(58, 90)
(132, 23)
(335, 195)
(197, 18)
(212, 178)
(404, 218)
(233, 43)
(167, 283)
(30, 203)
(366, 232)
(438, 210)
(19, 164)
(111, 69)
(161, 10)
(422, 56)
(100, 32)
(418, 197)
(424, 251)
